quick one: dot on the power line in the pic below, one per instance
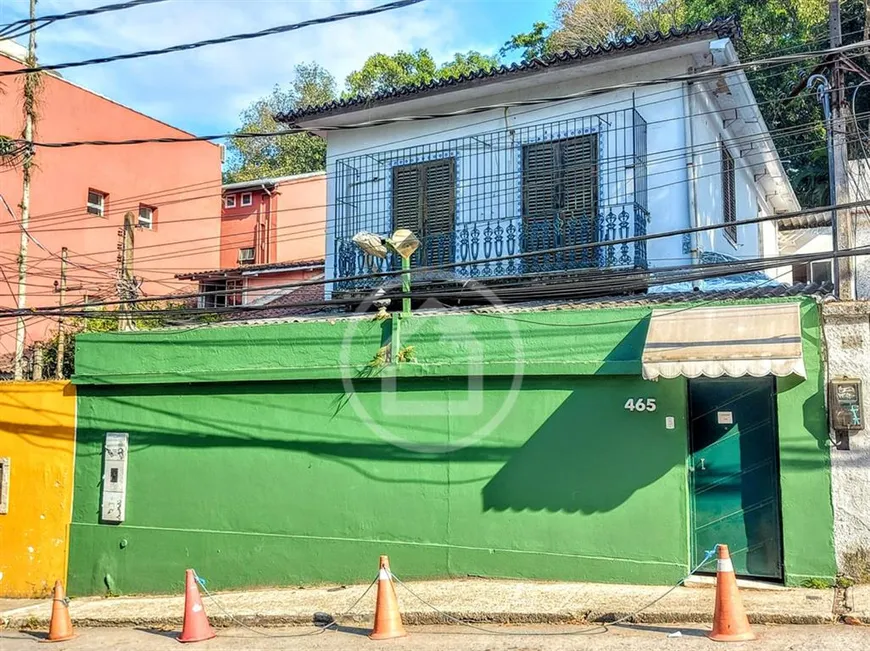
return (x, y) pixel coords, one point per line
(610, 281)
(280, 29)
(77, 209)
(516, 256)
(13, 30)
(318, 231)
(119, 206)
(653, 160)
(694, 76)
(290, 226)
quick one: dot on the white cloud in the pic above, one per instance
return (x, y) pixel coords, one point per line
(207, 88)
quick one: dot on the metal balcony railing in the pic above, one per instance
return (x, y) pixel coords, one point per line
(573, 183)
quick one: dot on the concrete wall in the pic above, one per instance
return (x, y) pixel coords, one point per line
(182, 181)
(279, 454)
(847, 336)
(37, 431)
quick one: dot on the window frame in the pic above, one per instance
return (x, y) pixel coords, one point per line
(151, 219)
(250, 260)
(811, 274)
(565, 205)
(431, 251)
(249, 202)
(234, 299)
(237, 298)
(229, 201)
(729, 194)
(206, 300)
(100, 208)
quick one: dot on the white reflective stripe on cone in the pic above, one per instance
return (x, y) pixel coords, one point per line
(383, 575)
(725, 565)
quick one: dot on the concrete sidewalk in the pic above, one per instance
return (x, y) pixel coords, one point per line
(474, 600)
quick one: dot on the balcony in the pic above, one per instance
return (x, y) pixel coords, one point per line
(577, 183)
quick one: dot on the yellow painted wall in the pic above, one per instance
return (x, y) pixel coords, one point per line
(37, 433)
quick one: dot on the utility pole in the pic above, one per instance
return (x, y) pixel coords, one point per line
(37, 362)
(30, 84)
(127, 288)
(842, 221)
(61, 343)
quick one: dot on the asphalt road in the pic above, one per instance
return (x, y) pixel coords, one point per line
(455, 638)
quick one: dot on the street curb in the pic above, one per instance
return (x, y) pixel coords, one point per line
(27, 622)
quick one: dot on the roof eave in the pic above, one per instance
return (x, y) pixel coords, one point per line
(774, 179)
(252, 270)
(311, 117)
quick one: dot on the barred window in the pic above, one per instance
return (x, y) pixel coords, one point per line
(424, 201)
(729, 195)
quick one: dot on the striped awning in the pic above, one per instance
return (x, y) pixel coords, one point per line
(755, 340)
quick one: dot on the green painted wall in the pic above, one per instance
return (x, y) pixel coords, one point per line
(280, 483)
(805, 464)
(546, 342)
(256, 482)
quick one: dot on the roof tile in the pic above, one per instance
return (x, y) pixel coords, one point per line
(720, 27)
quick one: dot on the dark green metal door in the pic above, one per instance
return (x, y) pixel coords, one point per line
(735, 473)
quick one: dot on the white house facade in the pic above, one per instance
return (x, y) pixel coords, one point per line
(575, 150)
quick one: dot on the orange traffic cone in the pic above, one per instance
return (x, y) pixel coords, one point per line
(388, 620)
(196, 627)
(60, 628)
(730, 623)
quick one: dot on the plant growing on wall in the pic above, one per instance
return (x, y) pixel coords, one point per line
(100, 321)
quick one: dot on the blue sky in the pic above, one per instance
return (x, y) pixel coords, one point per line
(204, 91)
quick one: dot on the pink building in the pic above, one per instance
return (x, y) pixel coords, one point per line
(80, 195)
(273, 233)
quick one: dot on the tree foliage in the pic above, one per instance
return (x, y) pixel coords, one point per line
(254, 158)
(383, 72)
(101, 321)
(769, 27)
(532, 44)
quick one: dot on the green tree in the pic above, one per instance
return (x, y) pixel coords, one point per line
(769, 27)
(253, 158)
(465, 64)
(585, 23)
(102, 320)
(384, 72)
(532, 44)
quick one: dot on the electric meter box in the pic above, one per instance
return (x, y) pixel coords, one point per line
(114, 498)
(844, 397)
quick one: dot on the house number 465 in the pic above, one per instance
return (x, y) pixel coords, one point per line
(641, 404)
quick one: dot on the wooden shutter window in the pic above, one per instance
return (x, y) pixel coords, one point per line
(560, 200)
(424, 201)
(580, 175)
(729, 194)
(407, 198)
(439, 202)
